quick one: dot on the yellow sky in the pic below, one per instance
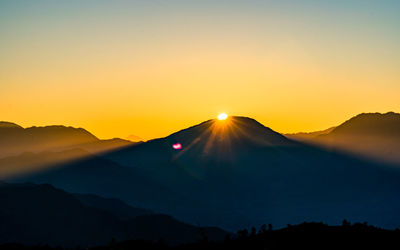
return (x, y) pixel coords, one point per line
(153, 75)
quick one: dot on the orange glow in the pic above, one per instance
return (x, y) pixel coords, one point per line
(151, 75)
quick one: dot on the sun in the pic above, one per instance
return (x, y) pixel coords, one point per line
(222, 116)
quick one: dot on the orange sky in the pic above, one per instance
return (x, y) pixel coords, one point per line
(150, 69)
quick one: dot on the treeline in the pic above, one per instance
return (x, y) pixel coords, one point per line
(303, 236)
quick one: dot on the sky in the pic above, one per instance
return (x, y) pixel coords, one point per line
(150, 68)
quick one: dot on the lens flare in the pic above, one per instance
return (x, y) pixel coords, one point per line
(177, 146)
(222, 116)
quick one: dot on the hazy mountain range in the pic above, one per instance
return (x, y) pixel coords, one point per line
(15, 139)
(234, 173)
(372, 135)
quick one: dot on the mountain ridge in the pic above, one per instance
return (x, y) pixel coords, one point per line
(225, 170)
(371, 123)
(234, 173)
(15, 140)
(375, 136)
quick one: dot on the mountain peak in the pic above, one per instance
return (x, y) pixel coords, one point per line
(371, 123)
(4, 124)
(15, 139)
(62, 130)
(235, 130)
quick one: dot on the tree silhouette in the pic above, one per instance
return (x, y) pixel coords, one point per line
(242, 234)
(345, 223)
(263, 229)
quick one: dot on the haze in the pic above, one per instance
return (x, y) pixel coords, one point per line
(148, 67)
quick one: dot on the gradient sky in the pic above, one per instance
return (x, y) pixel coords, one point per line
(151, 68)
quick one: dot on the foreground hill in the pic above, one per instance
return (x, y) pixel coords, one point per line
(303, 236)
(313, 235)
(15, 139)
(371, 135)
(33, 214)
(236, 173)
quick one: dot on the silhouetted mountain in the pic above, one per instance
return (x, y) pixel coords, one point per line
(371, 124)
(371, 135)
(236, 173)
(15, 140)
(33, 214)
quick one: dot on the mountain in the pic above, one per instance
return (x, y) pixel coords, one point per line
(41, 214)
(35, 149)
(15, 139)
(235, 173)
(210, 140)
(371, 135)
(371, 124)
(238, 172)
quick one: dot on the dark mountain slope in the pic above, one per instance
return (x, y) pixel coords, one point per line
(32, 214)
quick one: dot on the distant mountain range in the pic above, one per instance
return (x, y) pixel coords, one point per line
(34, 149)
(15, 139)
(41, 214)
(231, 174)
(372, 135)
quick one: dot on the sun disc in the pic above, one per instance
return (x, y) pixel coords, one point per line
(222, 116)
